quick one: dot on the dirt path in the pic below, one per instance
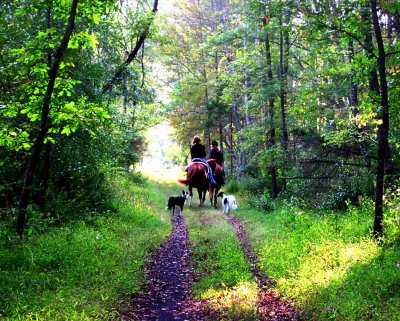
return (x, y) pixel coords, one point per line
(167, 297)
(270, 307)
(169, 277)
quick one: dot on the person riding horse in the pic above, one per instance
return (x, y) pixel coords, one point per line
(216, 153)
(198, 154)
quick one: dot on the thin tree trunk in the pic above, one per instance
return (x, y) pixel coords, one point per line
(271, 104)
(44, 177)
(383, 129)
(38, 144)
(283, 62)
(231, 143)
(353, 97)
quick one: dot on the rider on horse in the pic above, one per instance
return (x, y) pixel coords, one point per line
(198, 154)
(216, 153)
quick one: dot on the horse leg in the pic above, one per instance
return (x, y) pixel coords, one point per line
(211, 193)
(215, 198)
(190, 196)
(201, 199)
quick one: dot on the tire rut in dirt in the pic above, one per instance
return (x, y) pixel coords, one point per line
(270, 307)
(169, 277)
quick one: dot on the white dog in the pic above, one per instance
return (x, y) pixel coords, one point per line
(229, 203)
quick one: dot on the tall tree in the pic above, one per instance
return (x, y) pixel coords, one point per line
(271, 105)
(283, 79)
(383, 128)
(38, 144)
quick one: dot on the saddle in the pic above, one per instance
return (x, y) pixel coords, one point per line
(199, 160)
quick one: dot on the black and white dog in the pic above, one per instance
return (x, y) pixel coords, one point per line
(177, 201)
(229, 203)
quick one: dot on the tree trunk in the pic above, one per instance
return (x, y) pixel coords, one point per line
(353, 97)
(283, 63)
(38, 144)
(383, 129)
(44, 178)
(271, 104)
(231, 143)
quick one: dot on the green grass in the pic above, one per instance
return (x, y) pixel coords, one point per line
(87, 269)
(225, 281)
(328, 262)
(83, 271)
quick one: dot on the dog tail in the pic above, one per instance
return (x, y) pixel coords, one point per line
(234, 206)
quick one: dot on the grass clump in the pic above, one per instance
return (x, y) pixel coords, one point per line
(328, 261)
(82, 270)
(224, 278)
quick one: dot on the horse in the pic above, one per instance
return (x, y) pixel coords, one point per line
(218, 174)
(197, 177)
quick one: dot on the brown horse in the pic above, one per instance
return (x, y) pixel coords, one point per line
(197, 177)
(218, 178)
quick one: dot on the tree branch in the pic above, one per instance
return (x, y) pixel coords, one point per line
(133, 53)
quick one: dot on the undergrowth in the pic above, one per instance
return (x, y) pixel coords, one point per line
(328, 261)
(82, 270)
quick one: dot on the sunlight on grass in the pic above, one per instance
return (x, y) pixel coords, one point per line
(240, 300)
(327, 263)
(330, 264)
(160, 172)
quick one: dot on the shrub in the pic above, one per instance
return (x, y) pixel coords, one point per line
(262, 202)
(252, 185)
(232, 186)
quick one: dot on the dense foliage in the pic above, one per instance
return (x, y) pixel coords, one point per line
(295, 92)
(87, 130)
(302, 96)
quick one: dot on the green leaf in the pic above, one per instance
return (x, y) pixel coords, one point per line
(96, 18)
(66, 130)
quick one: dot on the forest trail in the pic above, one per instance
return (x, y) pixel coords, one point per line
(166, 296)
(170, 273)
(270, 307)
(168, 276)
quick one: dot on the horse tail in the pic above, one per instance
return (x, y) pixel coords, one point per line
(188, 178)
(183, 181)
